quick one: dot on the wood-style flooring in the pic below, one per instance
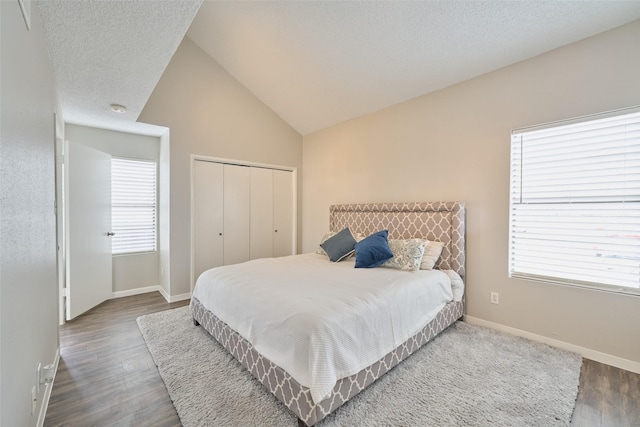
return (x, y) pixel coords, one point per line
(607, 396)
(106, 376)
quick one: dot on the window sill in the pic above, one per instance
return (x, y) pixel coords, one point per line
(134, 253)
(611, 289)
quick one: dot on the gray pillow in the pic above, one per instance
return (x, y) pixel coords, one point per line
(339, 246)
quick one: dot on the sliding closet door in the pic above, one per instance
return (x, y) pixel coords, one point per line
(283, 213)
(207, 216)
(240, 213)
(261, 213)
(237, 213)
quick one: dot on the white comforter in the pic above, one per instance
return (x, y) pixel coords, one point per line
(322, 321)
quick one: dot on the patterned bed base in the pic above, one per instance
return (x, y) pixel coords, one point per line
(298, 398)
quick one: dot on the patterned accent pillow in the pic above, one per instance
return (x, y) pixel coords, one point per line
(431, 254)
(407, 254)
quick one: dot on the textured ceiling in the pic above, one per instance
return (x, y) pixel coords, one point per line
(320, 63)
(106, 52)
(315, 63)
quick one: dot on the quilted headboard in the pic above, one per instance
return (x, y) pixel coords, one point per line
(437, 221)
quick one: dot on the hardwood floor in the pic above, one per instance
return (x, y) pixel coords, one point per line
(106, 376)
(607, 396)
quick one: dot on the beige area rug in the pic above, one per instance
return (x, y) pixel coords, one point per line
(468, 376)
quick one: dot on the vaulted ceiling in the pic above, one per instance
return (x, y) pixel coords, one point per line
(315, 64)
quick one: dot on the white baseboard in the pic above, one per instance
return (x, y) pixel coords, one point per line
(174, 298)
(608, 359)
(164, 293)
(47, 391)
(181, 297)
(137, 291)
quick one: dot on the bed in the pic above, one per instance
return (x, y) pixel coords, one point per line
(434, 221)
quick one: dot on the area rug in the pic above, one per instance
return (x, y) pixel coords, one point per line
(467, 376)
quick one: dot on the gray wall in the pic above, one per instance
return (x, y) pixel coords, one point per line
(454, 145)
(164, 243)
(212, 114)
(129, 271)
(28, 284)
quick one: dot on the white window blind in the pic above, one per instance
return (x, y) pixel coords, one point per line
(575, 203)
(133, 206)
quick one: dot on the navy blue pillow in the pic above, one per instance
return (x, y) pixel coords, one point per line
(373, 251)
(339, 246)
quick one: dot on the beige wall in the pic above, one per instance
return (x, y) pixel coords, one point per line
(134, 271)
(28, 282)
(454, 145)
(210, 113)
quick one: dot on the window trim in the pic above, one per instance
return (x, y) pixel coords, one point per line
(618, 289)
(579, 119)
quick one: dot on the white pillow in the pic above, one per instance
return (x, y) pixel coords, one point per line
(407, 254)
(457, 285)
(431, 254)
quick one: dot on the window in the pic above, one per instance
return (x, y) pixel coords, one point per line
(133, 206)
(575, 202)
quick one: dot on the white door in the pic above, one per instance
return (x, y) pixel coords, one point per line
(208, 219)
(283, 243)
(237, 213)
(261, 213)
(88, 222)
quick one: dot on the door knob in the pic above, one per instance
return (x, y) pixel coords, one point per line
(110, 233)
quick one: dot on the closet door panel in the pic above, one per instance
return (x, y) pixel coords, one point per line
(283, 213)
(237, 213)
(207, 216)
(261, 213)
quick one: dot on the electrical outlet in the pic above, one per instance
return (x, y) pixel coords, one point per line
(34, 400)
(495, 298)
(162, 271)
